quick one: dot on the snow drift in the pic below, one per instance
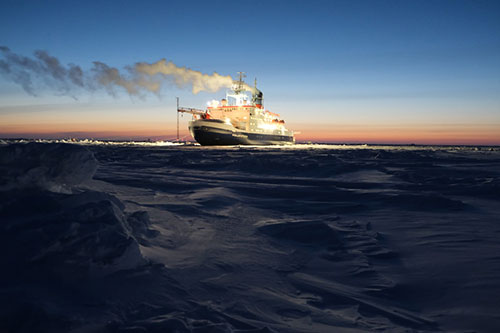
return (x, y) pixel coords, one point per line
(55, 167)
(56, 236)
(245, 239)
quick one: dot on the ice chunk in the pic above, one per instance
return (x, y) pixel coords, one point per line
(56, 167)
(85, 233)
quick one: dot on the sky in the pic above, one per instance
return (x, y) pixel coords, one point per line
(422, 72)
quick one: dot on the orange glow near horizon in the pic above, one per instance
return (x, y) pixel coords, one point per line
(114, 124)
(403, 134)
(396, 134)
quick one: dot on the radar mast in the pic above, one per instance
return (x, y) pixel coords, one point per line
(239, 85)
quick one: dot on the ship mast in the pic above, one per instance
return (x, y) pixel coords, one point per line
(239, 84)
(238, 91)
(177, 98)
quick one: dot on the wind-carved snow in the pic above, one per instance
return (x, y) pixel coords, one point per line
(54, 167)
(249, 239)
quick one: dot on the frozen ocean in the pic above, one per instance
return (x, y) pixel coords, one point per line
(163, 237)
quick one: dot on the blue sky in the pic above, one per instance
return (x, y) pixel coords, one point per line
(366, 64)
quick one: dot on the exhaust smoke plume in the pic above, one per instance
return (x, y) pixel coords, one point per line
(45, 71)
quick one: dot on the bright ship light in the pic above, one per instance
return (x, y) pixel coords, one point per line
(213, 103)
(268, 126)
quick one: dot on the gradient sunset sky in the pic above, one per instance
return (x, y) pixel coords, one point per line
(423, 72)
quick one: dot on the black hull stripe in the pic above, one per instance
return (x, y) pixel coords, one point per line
(206, 136)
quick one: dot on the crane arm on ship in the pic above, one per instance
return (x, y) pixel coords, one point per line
(191, 110)
(195, 112)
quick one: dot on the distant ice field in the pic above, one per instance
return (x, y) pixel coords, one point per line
(102, 236)
(298, 146)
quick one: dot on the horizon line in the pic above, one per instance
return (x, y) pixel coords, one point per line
(145, 139)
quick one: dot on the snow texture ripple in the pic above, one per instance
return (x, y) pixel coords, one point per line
(180, 238)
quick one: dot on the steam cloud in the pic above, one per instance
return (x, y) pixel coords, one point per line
(44, 70)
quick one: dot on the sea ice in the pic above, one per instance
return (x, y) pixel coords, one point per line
(116, 237)
(55, 167)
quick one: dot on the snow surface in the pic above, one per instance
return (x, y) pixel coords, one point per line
(305, 238)
(55, 167)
